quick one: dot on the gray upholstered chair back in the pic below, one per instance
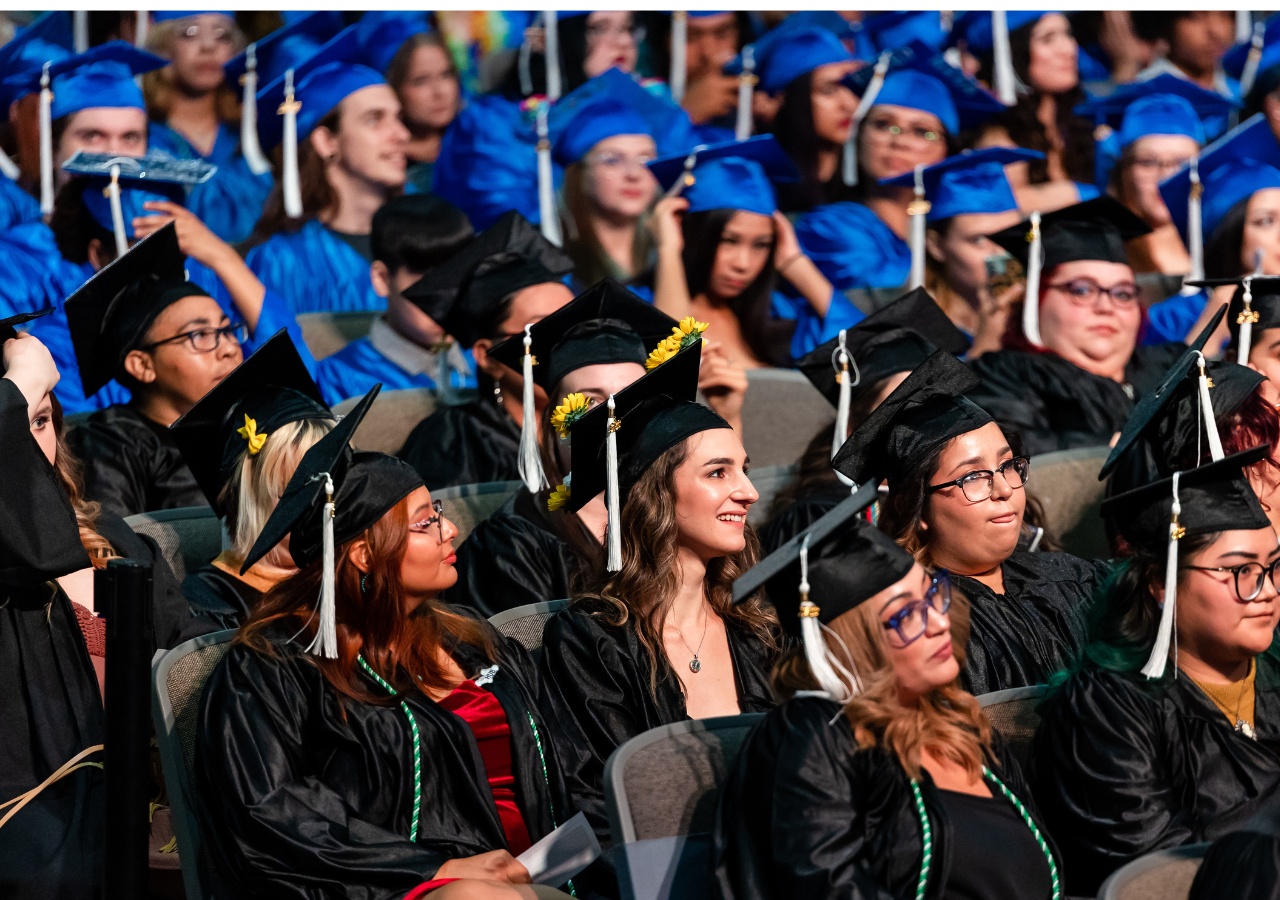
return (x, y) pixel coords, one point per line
(768, 481)
(1013, 714)
(1162, 875)
(393, 415)
(780, 415)
(467, 505)
(188, 537)
(525, 623)
(1067, 487)
(327, 333)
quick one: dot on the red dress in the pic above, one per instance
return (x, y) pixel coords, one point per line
(488, 722)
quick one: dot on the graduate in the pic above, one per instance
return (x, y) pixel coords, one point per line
(405, 348)
(723, 263)
(166, 341)
(507, 278)
(911, 115)
(342, 157)
(1255, 63)
(313, 724)
(1253, 322)
(49, 38)
(1175, 714)
(878, 775)
(957, 503)
(242, 442)
(652, 637)
(426, 79)
(1071, 368)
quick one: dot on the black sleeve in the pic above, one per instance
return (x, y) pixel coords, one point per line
(508, 562)
(1011, 391)
(116, 473)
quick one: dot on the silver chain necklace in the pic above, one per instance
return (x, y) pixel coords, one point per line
(695, 665)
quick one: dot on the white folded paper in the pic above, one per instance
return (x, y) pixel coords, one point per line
(562, 854)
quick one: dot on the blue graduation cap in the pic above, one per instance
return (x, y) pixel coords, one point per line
(733, 175)
(890, 30)
(608, 105)
(169, 15)
(47, 39)
(382, 33)
(786, 53)
(973, 28)
(117, 187)
(1252, 60)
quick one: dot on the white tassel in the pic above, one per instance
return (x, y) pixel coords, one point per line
(868, 100)
(1244, 25)
(1195, 230)
(46, 143)
(746, 89)
(1245, 320)
(835, 680)
(546, 182)
(841, 360)
(249, 146)
(1031, 303)
(1206, 411)
(1002, 62)
(917, 210)
(117, 213)
(551, 28)
(1164, 633)
(142, 24)
(530, 463)
(1257, 44)
(613, 499)
(80, 30)
(325, 642)
(679, 46)
(522, 67)
(8, 168)
(291, 185)
(687, 178)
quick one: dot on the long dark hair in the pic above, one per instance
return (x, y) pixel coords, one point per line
(74, 227)
(1224, 248)
(793, 129)
(768, 338)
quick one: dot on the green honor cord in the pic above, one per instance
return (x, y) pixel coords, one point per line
(417, 745)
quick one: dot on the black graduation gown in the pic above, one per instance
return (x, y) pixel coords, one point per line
(220, 599)
(808, 815)
(473, 443)
(297, 799)
(519, 555)
(1035, 628)
(1243, 865)
(597, 683)
(1122, 766)
(1056, 405)
(131, 464)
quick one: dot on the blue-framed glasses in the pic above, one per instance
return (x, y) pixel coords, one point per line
(911, 622)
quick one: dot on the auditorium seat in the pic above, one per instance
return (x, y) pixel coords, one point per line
(1013, 714)
(327, 333)
(781, 413)
(189, 537)
(1162, 875)
(178, 679)
(467, 505)
(1065, 483)
(768, 481)
(392, 417)
(525, 623)
(662, 788)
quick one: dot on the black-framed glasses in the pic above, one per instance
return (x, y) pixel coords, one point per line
(912, 621)
(1083, 292)
(1248, 577)
(205, 340)
(424, 527)
(978, 485)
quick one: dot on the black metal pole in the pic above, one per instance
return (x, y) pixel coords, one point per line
(123, 590)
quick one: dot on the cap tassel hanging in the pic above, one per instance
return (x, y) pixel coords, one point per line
(1031, 303)
(550, 223)
(249, 146)
(291, 185)
(530, 462)
(1244, 25)
(679, 47)
(1206, 411)
(46, 143)
(8, 168)
(551, 29)
(325, 642)
(112, 192)
(832, 677)
(868, 100)
(613, 498)
(80, 30)
(841, 360)
(1195, 228)
(918, 209)
(141, 26)
(746, 90)
(1006, 82)
(1164, 633)
(687, 178)
(1247, 318)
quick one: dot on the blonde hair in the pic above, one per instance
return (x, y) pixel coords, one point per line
(158, 86)
(257, 481)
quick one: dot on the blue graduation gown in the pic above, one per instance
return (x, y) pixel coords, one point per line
(313, 271)
(17, 207)
(852, 247)
(231, 201)
(1172, 318)
(35, 275)
(357, 367)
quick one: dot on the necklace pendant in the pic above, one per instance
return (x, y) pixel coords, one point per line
(695, 666)
(1246, 729)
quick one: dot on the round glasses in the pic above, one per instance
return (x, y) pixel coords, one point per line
(978, 485)
(884, 129)
(1248, 577)
(912, 621)
(1083, 292)
(205, 340)
(424, 527)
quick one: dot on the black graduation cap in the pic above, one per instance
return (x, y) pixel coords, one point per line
(462, 293)
(8, 327)
(366, 485)
(270, 389)
(922, 414)
(675, 380)
(111, 312)
(894, 339)
(1094, 229)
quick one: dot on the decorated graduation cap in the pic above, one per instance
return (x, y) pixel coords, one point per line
(832, 567)
(116, 188)
(291, 106)
(605, 324)
(923, 413)
(100, 77)
(1254, 307)
(266, 60)
(463, 293)
(47, 39)
(1095, 229)
(334, 496)
(1204, 500)
(732, 175)
(969, 182)
(267, 391)
(110, 313)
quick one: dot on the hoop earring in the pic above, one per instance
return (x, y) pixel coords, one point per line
(363, 579)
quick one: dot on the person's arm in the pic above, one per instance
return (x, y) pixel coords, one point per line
(1045, 197)
(29, 365)
(993, 319)
(670, 286)
(724, 384)
(791, 263)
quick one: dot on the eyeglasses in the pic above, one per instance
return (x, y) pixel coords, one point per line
(205, 340)
(883, 129)
(1248, 577)
(1160, 164)
(977, 486)
(219, 33)
(424, 527)
(912, 621)
(603, 30)
(620, 161)
(1083, 292)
